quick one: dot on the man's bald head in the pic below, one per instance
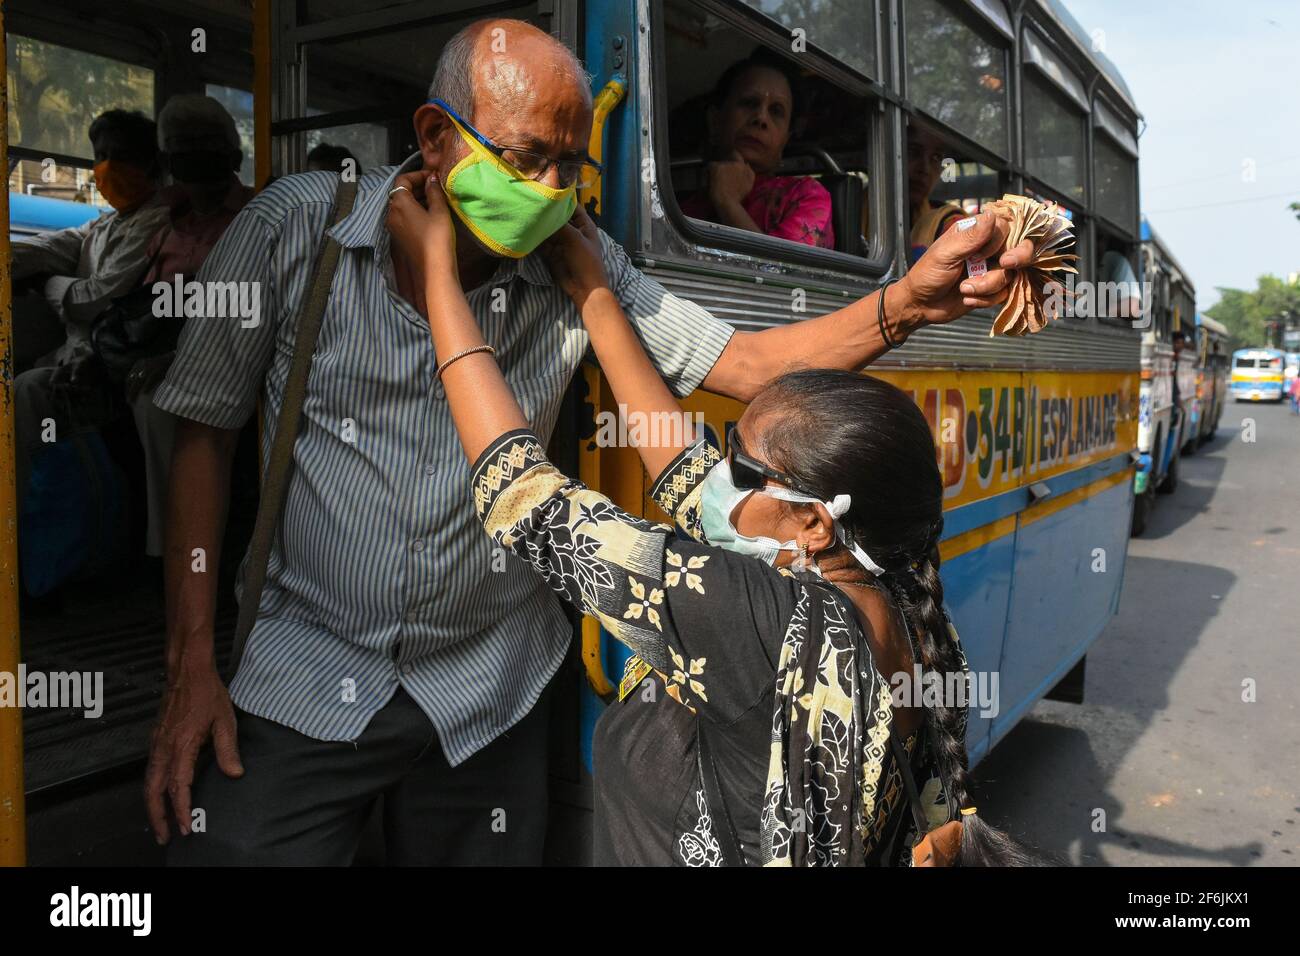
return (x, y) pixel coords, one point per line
(509, 64)
(520, 88)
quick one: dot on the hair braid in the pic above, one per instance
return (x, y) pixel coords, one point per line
(919, 590)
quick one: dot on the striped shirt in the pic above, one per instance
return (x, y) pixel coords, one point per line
(380, 575)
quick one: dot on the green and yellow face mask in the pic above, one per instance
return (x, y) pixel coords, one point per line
(507, 212)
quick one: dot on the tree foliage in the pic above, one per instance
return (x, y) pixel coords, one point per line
(1247, 314)
(55, 91)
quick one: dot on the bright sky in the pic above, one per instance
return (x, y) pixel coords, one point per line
(1217, 84)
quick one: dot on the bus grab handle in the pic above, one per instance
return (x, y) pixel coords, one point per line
(609, 97)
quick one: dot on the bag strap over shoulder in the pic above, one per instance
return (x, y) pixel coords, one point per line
(723, 828)
(275, 481)
(909, 781)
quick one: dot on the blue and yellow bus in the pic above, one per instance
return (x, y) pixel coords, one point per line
(1258, 375)
(1036, 437)
(1164, 425)
(1212, 374)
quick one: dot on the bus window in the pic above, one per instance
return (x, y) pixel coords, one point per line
(1119, 295)
(845, 29)
(52, 180)
(360, 89)
(1053, 138)
(239, 104)
(1116, 182)
(1114, 167)
(55, 92)
(1054, 121)
(956, 75)
(759, 144)
(367, 142)
(943, 186)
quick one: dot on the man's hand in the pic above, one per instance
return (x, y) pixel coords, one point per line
(936, 288)
(729, 181)
(574, 257)
(196, 706)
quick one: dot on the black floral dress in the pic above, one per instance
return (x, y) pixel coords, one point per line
(799, 723)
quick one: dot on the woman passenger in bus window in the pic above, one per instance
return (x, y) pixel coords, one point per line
(750, 120)
(925, 156)
(808, 568)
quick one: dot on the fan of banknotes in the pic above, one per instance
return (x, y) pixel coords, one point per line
(1029, 307)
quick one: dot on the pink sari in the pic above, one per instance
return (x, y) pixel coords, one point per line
(797, 208)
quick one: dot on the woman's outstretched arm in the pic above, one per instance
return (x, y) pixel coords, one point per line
(482, 404)
(574, 257)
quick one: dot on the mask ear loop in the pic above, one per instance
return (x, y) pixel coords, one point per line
(838, 506)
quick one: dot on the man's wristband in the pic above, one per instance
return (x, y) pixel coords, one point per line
(880, 317)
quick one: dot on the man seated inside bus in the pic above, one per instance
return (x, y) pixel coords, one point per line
(1123, 298)
(750, 118)
(86, 268)
(327, 156)
(925, 156)
(202, 151)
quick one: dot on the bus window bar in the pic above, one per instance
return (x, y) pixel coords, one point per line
(39, 155)
(358, 26)
(303, 124)
(1040, 55)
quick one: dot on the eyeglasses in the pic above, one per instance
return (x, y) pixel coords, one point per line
(530, 164)
(751, 474)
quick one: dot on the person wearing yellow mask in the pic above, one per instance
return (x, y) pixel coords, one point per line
(82, 270)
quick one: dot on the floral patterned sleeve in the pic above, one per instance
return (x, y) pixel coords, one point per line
(677, 489)
(710, 621)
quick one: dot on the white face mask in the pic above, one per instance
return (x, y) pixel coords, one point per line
(719, 498)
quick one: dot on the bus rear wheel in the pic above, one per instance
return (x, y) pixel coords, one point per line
(1170, 484)
(1142, 505)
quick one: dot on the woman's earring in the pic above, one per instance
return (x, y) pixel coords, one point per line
(801, 563)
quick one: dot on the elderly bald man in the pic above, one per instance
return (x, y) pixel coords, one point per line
(394, 654)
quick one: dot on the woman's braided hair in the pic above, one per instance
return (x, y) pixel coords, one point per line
(839, 432)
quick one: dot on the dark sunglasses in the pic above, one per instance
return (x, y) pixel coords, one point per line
(751, 474)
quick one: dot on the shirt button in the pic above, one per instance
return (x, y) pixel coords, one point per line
(417, 544)
(411, 615)
(439, 391)
(407, 668)
(429, 469)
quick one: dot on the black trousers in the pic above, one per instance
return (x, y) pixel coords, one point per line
(305, 802)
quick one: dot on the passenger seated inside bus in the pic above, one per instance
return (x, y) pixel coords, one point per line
(925, 167)
(331, 158)
(84, 270)
(750, 118)
(202, 151)
(1123, 298)
(116, 349)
